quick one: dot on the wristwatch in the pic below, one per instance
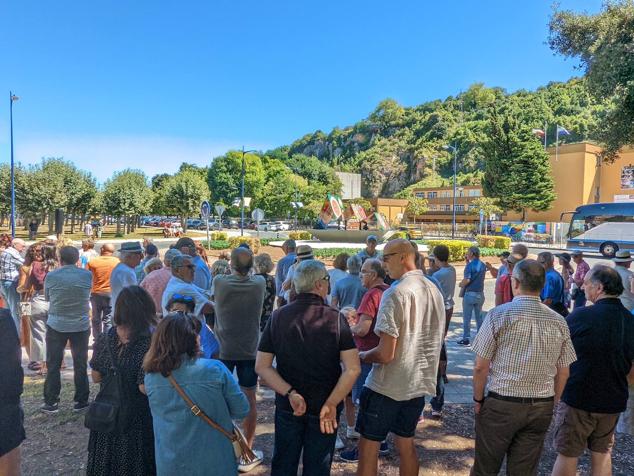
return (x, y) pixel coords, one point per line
(290, 390)
(478, 401)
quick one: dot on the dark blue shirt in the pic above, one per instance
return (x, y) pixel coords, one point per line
(553, 287)
(475, 271)
(282, 270)
(603, 337)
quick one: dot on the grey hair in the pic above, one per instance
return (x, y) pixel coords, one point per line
(354, 264)
(180, 261)
(170, 255)
(307, 273)
(530, 274)
(263, 263)
(152, 262)
(376, 266)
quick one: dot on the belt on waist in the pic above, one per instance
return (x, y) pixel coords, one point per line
(497, 396)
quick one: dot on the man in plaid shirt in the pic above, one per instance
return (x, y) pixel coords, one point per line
(11, 261)
(524, 350)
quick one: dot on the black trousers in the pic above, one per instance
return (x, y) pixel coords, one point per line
(101, 314)
(55, 345)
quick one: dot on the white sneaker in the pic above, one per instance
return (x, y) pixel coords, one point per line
(352, 434)
(245, 467)
(339, 444)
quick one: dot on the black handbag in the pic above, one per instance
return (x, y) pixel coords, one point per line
(109, 413)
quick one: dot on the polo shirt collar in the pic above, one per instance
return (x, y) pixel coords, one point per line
(527, 298)
(310, 298)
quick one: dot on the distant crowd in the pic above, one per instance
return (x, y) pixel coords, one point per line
(362, 343)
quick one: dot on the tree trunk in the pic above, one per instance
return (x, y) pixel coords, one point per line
(523, 215)
(72, 222)
(51, 219)
(118, 225)
(184, 223)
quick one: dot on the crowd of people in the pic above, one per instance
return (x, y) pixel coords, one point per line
(363, 343)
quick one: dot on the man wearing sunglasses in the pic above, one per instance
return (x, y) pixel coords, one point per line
(410, 325)
(181, 283)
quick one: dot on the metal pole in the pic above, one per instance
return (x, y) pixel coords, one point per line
(455, 171)
(12, 166)
(242, 196)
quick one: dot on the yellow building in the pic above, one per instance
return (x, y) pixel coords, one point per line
(579, 179)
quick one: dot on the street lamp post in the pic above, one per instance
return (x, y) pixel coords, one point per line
(12, 99)
(242, 189)
(455, 172)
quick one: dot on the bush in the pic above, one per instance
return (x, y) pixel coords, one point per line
(219, 235)
(333, 252)
(489, 251)
(254, 243)
(215, 244)
(399, 234)
(266, 241)
(457, 248)
(499, 242)
(300, 235)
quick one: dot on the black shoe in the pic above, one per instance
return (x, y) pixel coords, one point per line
(464, 342)
(80, 407)
(49, 409)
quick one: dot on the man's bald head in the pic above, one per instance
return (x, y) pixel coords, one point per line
(241, 261)
(107, 249)
(399, 257)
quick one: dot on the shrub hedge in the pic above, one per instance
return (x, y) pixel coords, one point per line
(499, 242)
(333, 252)
(457, 248)
(254, 243)
(219, 235)
(300, 235)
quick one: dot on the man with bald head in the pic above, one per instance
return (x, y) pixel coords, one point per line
(410, 325)
(101, 268)
(238, 305)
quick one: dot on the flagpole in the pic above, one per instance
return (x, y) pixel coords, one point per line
(557, 144)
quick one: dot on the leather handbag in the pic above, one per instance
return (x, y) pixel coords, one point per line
(243, 453)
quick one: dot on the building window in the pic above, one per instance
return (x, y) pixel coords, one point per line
(445, 194)
(460, 208)
(432, 194)
(419, 194)
(445, 208)
(475, 193)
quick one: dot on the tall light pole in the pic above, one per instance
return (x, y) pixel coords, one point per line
(242, 189)
(12, 99)
(455, 172)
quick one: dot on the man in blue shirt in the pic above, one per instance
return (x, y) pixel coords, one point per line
(472, 292)
(349, 291)
(553, 293)
(202, 274)
(288, 247)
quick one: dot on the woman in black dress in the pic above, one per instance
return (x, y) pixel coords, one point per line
(133, 452)
(263, 266)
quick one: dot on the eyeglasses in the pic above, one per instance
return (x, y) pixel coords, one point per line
(326, 278)
(385, 256)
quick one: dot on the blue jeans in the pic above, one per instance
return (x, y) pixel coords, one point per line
(12, 298)
(358, 385)
(471, 304)
(294, 434)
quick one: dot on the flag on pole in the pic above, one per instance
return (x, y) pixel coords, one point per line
(539, 132)
(561, 131)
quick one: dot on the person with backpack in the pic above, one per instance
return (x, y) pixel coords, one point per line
(187, 442)
(128, 448)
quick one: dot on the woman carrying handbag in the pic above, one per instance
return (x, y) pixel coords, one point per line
(186, 443)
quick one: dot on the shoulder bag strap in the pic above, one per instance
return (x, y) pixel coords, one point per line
(195, 409)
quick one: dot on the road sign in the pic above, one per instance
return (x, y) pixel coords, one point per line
(257, 214)
(205, 208)
(220, 209)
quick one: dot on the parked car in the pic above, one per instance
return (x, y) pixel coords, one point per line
(282, 226)
(213, 225)
(264, 226)
(230, 223)
(194, 223)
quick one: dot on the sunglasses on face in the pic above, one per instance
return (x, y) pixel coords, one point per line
(182, 298)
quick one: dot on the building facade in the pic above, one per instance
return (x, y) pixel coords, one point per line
(579, 178)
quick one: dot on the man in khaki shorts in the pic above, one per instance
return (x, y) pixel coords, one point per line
(596, 391)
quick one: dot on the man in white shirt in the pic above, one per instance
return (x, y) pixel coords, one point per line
(123, 274)
(622, 263)
(410, 325)
(181, 283)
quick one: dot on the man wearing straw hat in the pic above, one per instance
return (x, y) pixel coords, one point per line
(622, 263)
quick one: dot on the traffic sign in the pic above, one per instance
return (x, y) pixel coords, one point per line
(220, 209)
(205, 208)
(257, 214)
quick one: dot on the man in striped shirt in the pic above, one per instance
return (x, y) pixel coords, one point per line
(524, 350)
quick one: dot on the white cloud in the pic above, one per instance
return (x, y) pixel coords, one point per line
(103, 155)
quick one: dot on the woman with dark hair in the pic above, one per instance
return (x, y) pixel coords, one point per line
(130, 453)
(44, 261)
(338, 271)
(185, 444)
(263, 266)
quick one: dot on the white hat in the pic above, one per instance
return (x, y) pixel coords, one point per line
(623, 257)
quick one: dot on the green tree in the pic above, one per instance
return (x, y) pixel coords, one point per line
(127, 195)
(488, 206)
(517, 169)
(416, 206)
(224, 176)
(603, 43)
(183, 193)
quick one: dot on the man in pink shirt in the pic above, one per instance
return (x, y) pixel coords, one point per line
(579, 295)
(156, 281)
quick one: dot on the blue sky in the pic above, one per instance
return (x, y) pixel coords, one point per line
(150, 84)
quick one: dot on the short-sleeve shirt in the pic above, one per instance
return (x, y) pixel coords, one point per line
(525, 341)
(364, 255)
(178, 286)
(553, 287)
(603, 336)
(307, 337)
(369, 306)
(446, 276)
(503, 287)
(67, 290)
(121, 277)
(475, 272)
(412, 311)
(581, 271)
(349, 291)
(101, 268)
